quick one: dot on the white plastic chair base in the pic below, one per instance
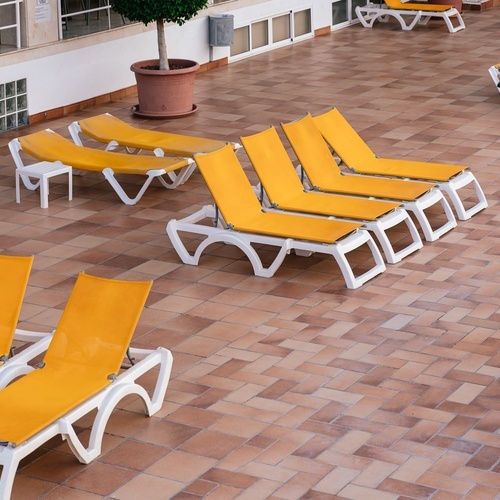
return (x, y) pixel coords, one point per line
(369, 13)
(42, 171)
(378, 227)
(451, 189)
(244, 242)
(428, 200)
(104, 402)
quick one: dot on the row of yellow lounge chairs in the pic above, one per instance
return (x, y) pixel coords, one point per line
(283, 211)
(80, 370)
(409, 14)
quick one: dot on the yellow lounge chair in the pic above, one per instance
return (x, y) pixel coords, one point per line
(49, 146)
(242, 222)
(14, 275)
(116, 133)
(285, 192)
(420, 13)
(324, 174)
(79, 374)
(355, 154)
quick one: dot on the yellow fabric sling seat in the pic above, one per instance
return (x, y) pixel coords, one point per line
(284, 191)
(47, 145)
(113, 132)
(323, 174)
(418, 12)
(355, 154)
(80, 372)
(14, 274)
(240, 220)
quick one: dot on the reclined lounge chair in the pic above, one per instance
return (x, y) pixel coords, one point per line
(116, 133)
(14, 275)
(355, 154)
(47, 145)
(80, 373)
(284, 191)
(239, 219)
(323, 174)
(419, 13)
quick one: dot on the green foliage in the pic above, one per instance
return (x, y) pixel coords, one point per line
(147, 11)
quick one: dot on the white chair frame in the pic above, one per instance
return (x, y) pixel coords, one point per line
(368, 14)
(244, 241)
(377, 227)
(17, 365)
(417, 207)
(105, 401)
(174, 179)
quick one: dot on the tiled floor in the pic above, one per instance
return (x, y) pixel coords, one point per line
(294, 386)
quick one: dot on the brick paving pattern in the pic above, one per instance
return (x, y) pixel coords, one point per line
(294, 386)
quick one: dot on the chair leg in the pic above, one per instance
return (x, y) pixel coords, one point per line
(431, 198)
(379, 228)
(18, 194)
(9, 470)
(451, 188)
(70, 186)
(44, 192)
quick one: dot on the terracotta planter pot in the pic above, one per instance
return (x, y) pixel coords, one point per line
(165, 93)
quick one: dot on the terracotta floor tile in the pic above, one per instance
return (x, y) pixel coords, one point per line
(134, 455)
(181, 467)
(54, 467)
(101, 479)
(212, 444)
(71, 494)
(29, 488)
(293, 386)
(168, 434)
(240, 457)
(149, 487)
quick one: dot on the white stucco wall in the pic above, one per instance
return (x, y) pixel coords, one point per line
(71, 71)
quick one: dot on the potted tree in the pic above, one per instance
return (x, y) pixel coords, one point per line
(165, 86)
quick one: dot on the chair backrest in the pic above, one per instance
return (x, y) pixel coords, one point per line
(85, 353)
(312, 151)
(272, 164)
(229, 186)
(14, 275)
(107, 128)
(343, 139)
(97, 325)
(47, 145)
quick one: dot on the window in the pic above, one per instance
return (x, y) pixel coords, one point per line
(82, 17)
(10, 26)
(281, 28)
(302, 23)
(265, 34)
(343, 12)
(241, 42)
(260, 35)
(339, 12)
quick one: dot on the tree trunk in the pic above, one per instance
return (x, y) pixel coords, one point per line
(162, 44)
